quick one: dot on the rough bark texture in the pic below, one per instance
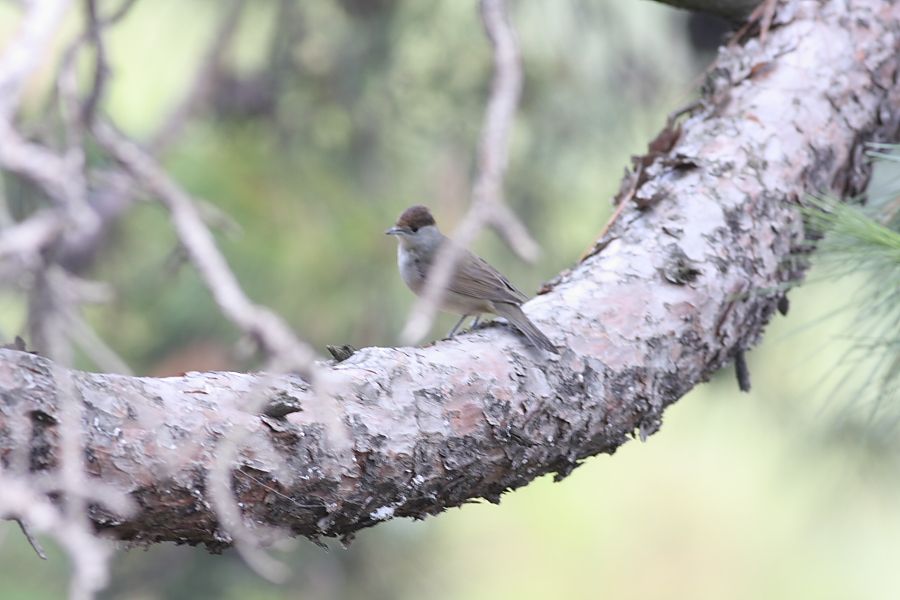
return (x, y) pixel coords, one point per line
(682, 282)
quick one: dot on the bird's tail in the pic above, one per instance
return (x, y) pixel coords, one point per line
(514, 315)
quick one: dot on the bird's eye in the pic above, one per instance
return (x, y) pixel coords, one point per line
(414, 229)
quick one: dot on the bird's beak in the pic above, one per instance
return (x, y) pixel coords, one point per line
(394, 231)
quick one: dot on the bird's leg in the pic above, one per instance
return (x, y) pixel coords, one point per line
(455, 327)
(475, 322)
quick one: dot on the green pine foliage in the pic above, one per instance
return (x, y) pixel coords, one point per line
(861, 247)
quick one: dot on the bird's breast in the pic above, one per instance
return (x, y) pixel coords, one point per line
(412, 269)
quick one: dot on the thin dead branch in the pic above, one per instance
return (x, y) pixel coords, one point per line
(487, 205)
(248, 542)
(24, 52)
(262, 325)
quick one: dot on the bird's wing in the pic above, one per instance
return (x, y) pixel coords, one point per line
(477, 279)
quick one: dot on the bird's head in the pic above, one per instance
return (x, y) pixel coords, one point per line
(415, 227)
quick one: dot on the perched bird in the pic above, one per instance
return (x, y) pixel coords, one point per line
(475, 286)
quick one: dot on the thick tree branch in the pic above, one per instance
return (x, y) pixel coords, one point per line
(683, 281)
(734, 10)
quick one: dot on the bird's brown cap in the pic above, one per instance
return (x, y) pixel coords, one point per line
(415, 217)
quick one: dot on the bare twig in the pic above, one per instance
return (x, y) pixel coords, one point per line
(487, 207)
(33, 162)
(89, 554)
(53, 314)
(24, 500)
(260, 323)
(98, 197)
(24, 52)
(119, 13)
(62, 177)
(93, 34)
(765, 21)
(742, 371)
(91, 563)
(6, 219)
(28, 238)
(764, 13)
(69, 294)
(101, 68)
(81, 216)
(247, 541)
(29, 535)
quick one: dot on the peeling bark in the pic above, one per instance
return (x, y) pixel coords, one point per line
(686, 278)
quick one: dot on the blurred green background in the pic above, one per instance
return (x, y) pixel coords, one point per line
(313, 145)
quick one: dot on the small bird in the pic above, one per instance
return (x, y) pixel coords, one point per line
(475, 286)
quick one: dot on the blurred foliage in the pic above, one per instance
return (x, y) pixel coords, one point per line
(366, 106)
(862, 242)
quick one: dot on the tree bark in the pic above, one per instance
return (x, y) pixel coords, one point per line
(685, 279)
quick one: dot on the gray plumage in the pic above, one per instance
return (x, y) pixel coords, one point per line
(475, 287)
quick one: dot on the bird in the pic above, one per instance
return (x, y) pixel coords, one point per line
(475, 287)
